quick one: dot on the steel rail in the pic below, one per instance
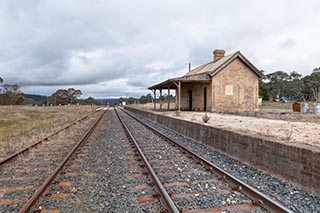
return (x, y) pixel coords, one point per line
(256, 196)
(40, 141)
(164, 196)
(48, 181)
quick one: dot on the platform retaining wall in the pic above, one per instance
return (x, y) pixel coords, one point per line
(296, 164)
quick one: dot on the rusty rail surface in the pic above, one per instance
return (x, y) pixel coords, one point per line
(3, 161)
(256, 196)
(163, 194)
(48, 181)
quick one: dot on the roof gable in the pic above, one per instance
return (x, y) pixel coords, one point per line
(212, 68)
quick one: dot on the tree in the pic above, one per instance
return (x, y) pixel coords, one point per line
(19, 99)
(149, 98)
(64, 96)
(90, 101)
(263, 87)
(317, 69)
(294, 90)
(146, 99)
(29, 101)
(169, 97)
(264, 90)
(1, 81)
(131, 100)
(11, 94)
(73, 94)
(277, 82)
(161, 98)
(294, 87)
(294, 75)
(143, 99)
(312, 85)
(59, 97)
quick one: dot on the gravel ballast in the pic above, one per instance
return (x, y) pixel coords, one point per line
(190, 185)
(104, 180)
(295, 198)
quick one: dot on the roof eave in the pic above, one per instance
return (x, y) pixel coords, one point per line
(163, 84)
(253, 67)
(171, 83)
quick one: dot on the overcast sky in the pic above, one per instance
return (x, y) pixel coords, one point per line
(110, 48)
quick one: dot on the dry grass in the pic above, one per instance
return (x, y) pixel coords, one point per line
(281, 105)
(284, 111)
(21, 125)
(276, 105)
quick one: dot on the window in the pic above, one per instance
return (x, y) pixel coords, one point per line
(229, 90)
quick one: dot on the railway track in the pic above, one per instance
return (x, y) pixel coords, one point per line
(110, 180)
(186, 182)
(27, 174)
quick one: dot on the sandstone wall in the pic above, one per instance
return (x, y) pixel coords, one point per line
(235, 89)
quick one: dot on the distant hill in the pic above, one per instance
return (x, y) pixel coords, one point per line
(111, 101)
(37, 98)
(42, 98)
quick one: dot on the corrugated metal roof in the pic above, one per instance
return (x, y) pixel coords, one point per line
(210, 67)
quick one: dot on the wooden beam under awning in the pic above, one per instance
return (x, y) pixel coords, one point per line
(173, 83)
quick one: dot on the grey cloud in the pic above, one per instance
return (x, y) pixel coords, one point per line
(287, 43)
(97, 45)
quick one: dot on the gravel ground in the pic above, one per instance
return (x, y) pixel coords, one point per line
(104, 181)
(194, 196)
(295, 198)
(303, 133)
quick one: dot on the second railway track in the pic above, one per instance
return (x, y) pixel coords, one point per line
(5, 159)
(191, 183)
(25, 177)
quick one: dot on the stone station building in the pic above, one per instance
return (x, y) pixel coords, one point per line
(227, 84)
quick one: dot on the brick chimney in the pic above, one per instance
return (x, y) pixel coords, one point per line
(217, 54)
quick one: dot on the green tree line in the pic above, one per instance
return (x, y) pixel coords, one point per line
(10, 94)
(292, 86)
(146, 99)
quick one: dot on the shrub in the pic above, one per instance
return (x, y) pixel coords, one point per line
(205, 118)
